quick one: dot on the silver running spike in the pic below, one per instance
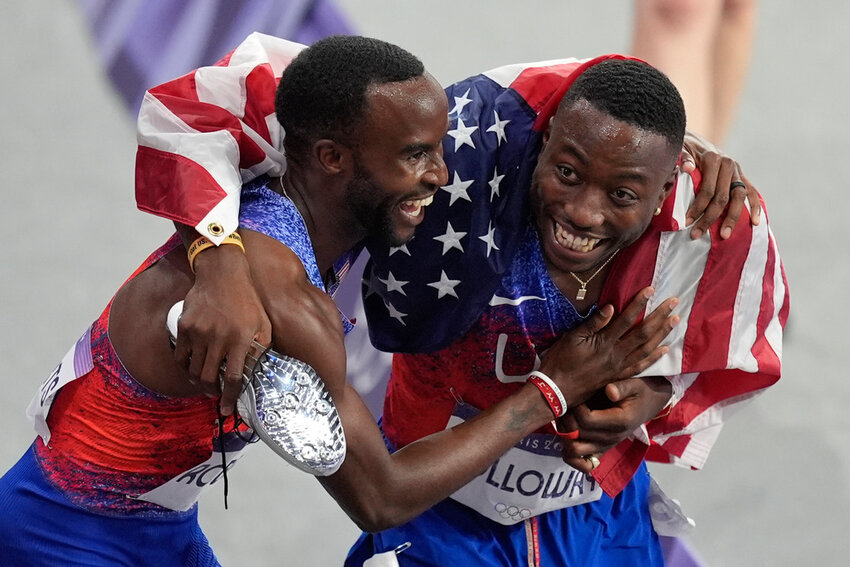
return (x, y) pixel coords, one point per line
(287, 405)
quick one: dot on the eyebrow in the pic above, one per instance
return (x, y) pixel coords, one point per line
(584, 160)
(418, 147)
(633, 176)
(571, 149)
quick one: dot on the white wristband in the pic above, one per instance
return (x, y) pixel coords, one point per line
(555, 389)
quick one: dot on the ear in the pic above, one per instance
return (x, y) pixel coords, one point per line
(668, 186)
(547, 133)
(333, 158)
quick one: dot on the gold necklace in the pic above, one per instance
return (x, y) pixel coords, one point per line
(583, 289)
(282, 188)
(331, 278)
(294, 204)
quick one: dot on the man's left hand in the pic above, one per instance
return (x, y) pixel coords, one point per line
(719, 173)
(611, 416)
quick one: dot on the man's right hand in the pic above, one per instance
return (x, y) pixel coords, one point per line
(605, 349)
(222, 314)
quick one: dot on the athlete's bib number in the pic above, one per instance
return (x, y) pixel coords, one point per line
(530, 479)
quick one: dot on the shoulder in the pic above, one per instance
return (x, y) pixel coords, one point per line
(305, 320)
(264, 211)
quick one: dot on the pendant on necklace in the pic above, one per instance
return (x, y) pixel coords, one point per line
(583, 283)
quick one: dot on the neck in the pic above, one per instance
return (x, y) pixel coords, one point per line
(321, 210)
(582, 288)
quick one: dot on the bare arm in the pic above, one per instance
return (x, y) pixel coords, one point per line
(378, 489)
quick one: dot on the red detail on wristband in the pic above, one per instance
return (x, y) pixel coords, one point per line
(549, 395)
(565, 434)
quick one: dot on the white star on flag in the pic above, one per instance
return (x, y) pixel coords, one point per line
(498, 128)
(457, 189)
(445, 286)
(490, 239)
(451, 239)
(393, 284)
(460, 102)
(494, 184)
(395, 313)
(370, 289)
(462, 134)
(402, 248)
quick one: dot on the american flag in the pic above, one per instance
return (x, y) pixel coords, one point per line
(203, 135)
(472, 228)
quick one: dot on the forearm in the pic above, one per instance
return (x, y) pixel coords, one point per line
(378, 490)
(222, 314)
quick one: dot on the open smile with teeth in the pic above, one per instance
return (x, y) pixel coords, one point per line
(573, 242)
(414, 206)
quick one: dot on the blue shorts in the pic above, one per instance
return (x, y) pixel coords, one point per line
(610, 531)
(41, 527)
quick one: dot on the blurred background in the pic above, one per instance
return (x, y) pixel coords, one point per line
(776, 490)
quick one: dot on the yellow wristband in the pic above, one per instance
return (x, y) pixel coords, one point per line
(203, 243)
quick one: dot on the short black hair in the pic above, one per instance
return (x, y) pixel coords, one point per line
(322, 93)
(633, 92)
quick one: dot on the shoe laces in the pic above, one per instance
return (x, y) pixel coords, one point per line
(239, 428)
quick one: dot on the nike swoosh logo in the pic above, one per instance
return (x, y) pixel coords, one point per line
(496, 300)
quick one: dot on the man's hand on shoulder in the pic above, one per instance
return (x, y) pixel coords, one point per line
(723, 185)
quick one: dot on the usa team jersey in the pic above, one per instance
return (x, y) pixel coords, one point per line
(215, 128)
(110, 444)
(492, 359)
(105, 440)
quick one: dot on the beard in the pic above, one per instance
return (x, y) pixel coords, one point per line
(373, 210)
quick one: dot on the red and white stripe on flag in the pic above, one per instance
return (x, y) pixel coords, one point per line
(728, 346)
(194, 129)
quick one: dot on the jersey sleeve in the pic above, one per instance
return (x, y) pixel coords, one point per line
(202, 135)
